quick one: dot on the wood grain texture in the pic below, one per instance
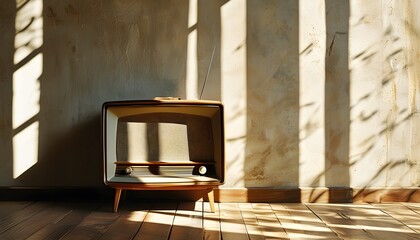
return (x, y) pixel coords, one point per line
(19, 215)
(93, 225)
(362, 220)
(251, 221)
(272, 229)
(50, 213)
(301, 223)
(131, 218)
(211, 222)
(158, 222)
(193, 220)
(232, 224)
(402, 213)
(10, 207)
(221, 194)
(188, 222)
(77, 211)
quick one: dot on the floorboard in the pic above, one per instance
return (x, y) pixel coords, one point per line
(231, 222)
(10, 207)
(158, 222)
(335, 217)
(365, 221)
(94, 225)
(268, 222)
(129, 222)
(20, 215)
(299, 222)
(211, 222)
(77, 211)
(188, 222)
(194, 220)
(251, 221)
(34, 222)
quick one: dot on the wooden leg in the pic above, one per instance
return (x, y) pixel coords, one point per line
(117, 198)
(123, 194)
(211, 200)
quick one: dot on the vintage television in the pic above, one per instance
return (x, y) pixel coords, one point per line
(163, 145)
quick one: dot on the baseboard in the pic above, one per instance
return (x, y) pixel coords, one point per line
(279, 195)
(286, 195)
(54, 193)
(382, 195)
(318, 195)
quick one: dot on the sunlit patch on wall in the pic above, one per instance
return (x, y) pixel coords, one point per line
(28, 61)
(192, 64)
(29, 28)
(312, 93)
(234, 86)
(26, 91)
(25, 149)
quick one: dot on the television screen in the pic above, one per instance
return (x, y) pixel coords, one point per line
(163, 141)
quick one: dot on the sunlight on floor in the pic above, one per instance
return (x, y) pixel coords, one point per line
(137, 216)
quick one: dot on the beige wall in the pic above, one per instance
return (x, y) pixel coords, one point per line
(317, 92)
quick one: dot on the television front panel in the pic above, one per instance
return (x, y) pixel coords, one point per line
(163, 141)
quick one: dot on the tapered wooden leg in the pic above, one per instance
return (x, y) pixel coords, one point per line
(117, 198)
(211, 200)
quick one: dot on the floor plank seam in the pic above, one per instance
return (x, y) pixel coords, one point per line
(243, 221)
(173, 221)
(398, 220)
(278, 219)
(325, 223)
(181, 220)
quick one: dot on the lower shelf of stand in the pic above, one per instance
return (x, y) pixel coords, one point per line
(172, 176)
(159, 163)
(159, 179)
(190, 185)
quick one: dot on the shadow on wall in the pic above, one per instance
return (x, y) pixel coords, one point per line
(272, 142)
(375, 126)
(7, 38)
(89, 52)
(337, 94)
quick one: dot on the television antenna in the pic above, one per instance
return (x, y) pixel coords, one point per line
(208, 71)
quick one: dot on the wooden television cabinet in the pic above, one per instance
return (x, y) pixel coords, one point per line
(163, 145)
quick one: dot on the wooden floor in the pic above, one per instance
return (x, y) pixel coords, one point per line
(193, 220)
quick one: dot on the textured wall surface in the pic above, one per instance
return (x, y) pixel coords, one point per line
(316, 92)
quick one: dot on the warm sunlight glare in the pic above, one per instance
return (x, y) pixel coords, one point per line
(29, 29)
(371, 228)
(137, 216)
(234, 85)
(25, 149)
(311, 92)
(192, 65)
(26, 87)
(26, 91)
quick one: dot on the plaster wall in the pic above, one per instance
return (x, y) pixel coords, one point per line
(317, 93)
